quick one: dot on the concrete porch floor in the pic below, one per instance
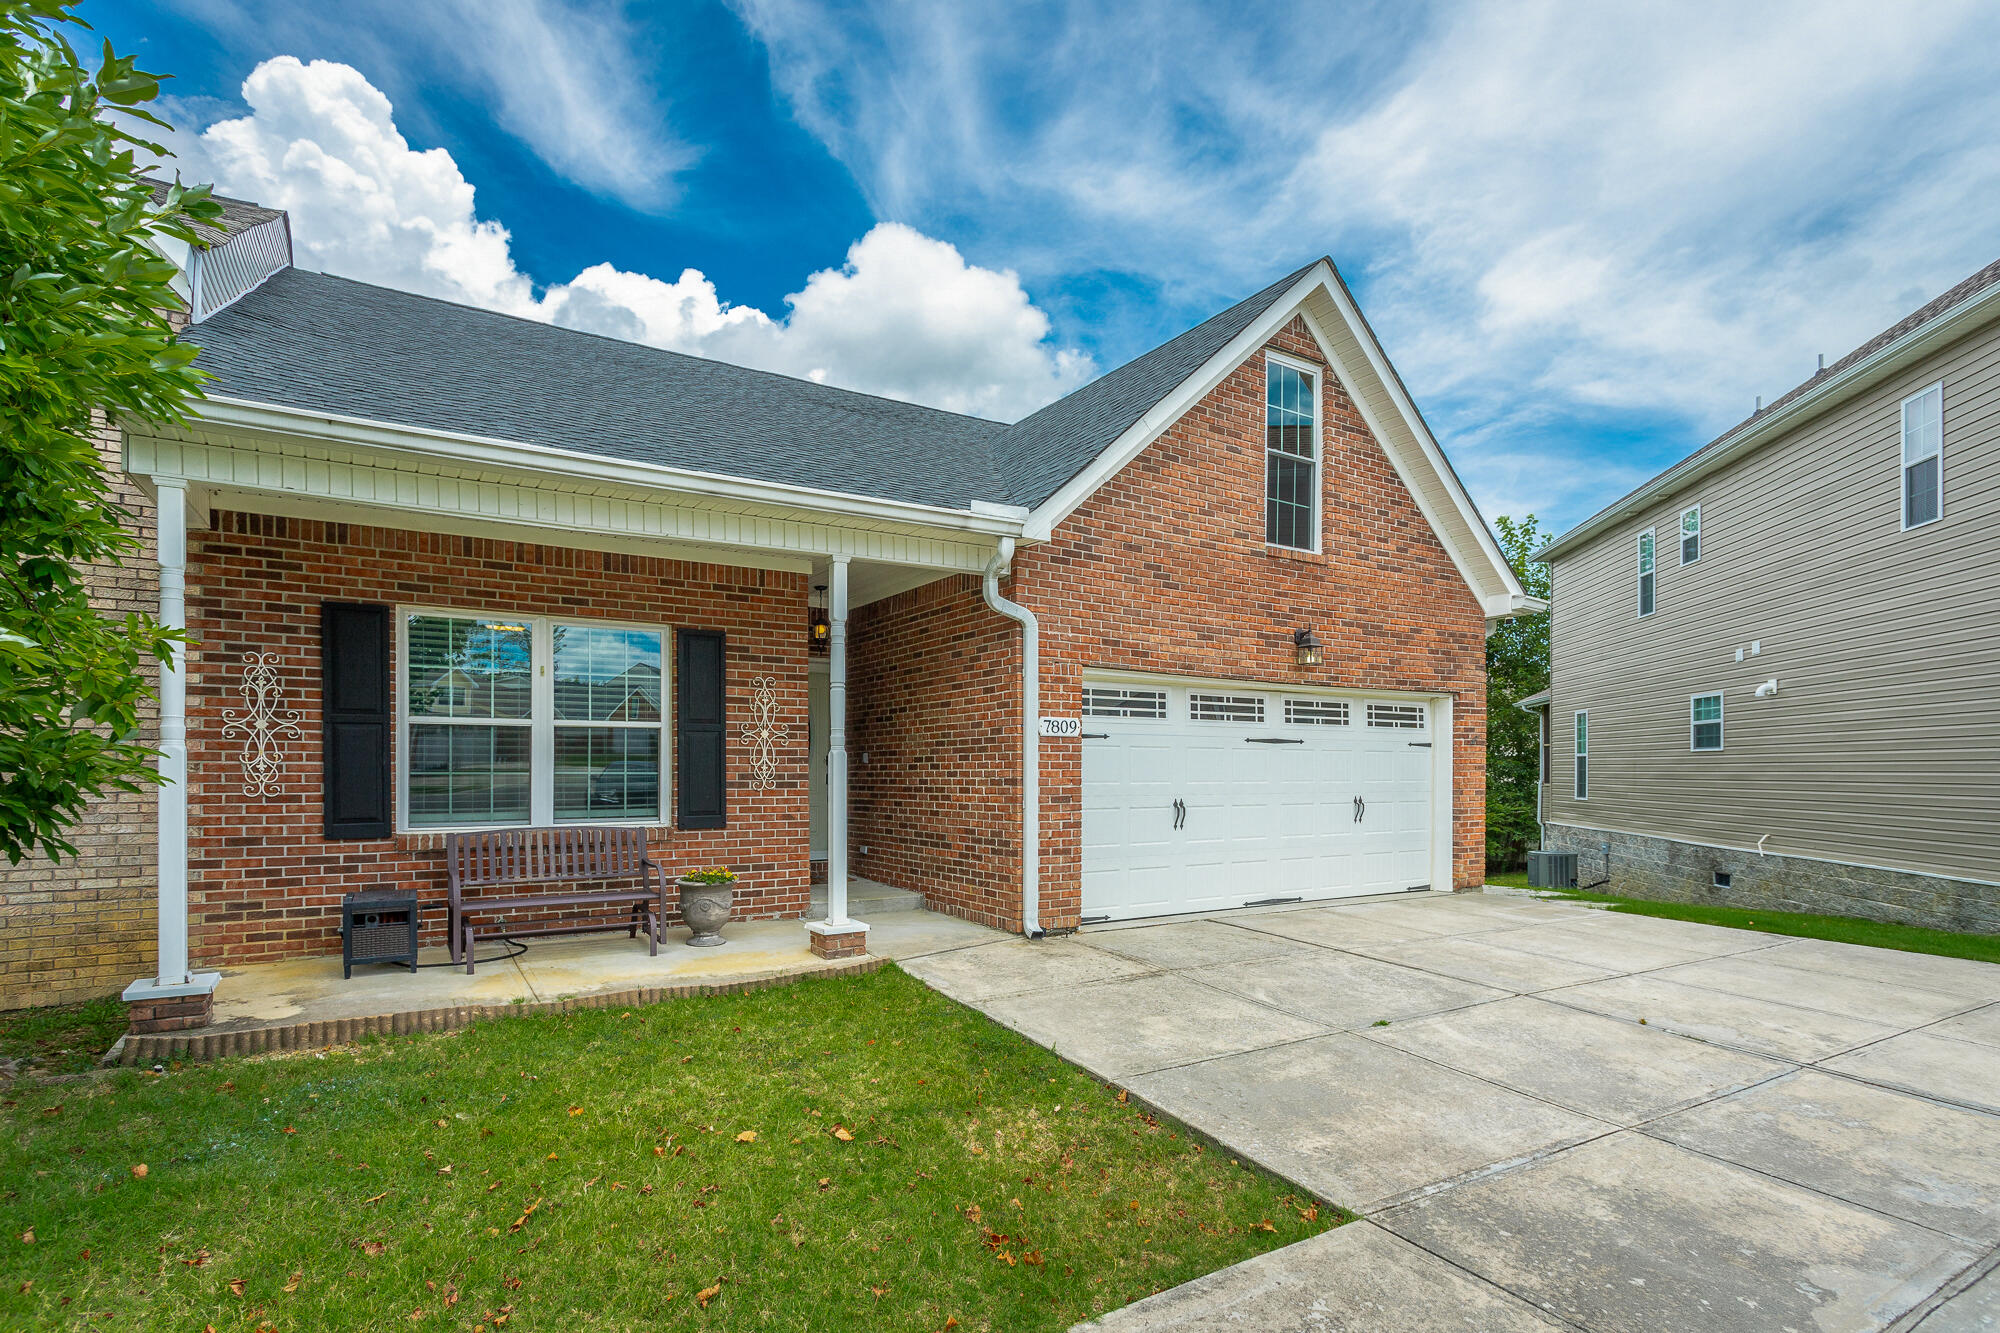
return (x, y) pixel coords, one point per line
(305, 992)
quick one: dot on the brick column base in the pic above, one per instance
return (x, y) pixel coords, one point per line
(845, 941)
(174, 1013)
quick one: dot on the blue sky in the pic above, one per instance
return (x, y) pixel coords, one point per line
(1588, 235)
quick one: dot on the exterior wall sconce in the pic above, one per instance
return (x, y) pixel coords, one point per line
(819, 627)
(1306, 648)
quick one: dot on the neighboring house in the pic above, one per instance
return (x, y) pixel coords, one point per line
(1236, 578)
(1776, 665)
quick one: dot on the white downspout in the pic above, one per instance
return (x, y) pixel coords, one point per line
(1031, 738)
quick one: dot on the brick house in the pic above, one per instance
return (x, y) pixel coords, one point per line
(1206, 632)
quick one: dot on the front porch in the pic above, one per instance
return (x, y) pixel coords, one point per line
(526, 646)
(305, 1003)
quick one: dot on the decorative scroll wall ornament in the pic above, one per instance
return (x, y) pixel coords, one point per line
(262, 725)
(763, 733)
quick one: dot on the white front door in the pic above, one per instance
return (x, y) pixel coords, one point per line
(1212, 796)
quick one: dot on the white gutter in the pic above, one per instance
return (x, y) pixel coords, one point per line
(1031, 737)
(1918, 342)
(489, 451)
(1536, 703)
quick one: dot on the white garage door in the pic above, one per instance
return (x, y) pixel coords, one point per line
(1203, 797)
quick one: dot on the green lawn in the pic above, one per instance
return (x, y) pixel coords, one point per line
(62, 1038)
(848, 1153)
(1845, 929)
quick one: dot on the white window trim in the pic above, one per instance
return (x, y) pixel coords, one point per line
(1694, 509)
(1580, 742)
(1722, 705)
(1903, 462)
(1639, 573)
(541, 720)
(1312, 374)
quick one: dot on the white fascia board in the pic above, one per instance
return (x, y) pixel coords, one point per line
(1047, 516)
(486, 451)
(1503, 605)
(1912, 346)
(1045, 519)
(1391, 384)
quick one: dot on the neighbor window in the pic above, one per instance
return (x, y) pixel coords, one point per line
(1690, 534)
(1646, 572)
(482, 744)
(1583, 756)
(1705, 722)
(1291, 456)
(1923, 456)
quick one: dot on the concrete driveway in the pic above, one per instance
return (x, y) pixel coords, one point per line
(1550, 1116)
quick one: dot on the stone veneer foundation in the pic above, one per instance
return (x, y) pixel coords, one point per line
(1668, 870)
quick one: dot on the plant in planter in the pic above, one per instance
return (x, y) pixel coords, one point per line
(705, 900)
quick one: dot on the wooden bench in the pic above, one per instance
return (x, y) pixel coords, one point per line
(526, 856)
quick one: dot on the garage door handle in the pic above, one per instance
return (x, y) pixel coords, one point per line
(1180, 812)
(1360, 809)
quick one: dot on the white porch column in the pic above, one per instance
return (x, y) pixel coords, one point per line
(171, 977)
(837, 936)
(836, 748)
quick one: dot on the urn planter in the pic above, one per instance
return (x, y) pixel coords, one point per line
(705, 908)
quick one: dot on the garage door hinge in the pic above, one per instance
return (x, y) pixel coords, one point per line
(1094, 735)
(1091, 920)
(1269, 902)
(1420, 745)
(1418, 888)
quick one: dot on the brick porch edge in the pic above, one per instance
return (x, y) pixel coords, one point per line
(152, 1048)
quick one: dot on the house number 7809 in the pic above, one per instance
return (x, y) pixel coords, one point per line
(1062, 726)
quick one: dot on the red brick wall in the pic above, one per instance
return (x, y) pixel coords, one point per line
(1164, 569)
(263, 881)
(934, 760)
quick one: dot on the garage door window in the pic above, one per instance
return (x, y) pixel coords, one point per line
(1323, 712)
(1112, 701)
(1407, 716)
(1225, 708)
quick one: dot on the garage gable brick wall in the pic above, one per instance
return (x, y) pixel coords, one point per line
(264, 883)
(1164, 569)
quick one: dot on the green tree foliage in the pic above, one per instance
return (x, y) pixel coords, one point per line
(1517, 666)
(82, 331)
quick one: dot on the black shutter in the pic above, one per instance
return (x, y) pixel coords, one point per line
(356, 717)
(700, 738)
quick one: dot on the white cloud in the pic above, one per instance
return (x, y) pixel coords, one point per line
(906, 317)
(1557, 213)
(575, 81)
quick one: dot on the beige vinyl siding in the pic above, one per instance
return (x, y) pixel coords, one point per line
(1883, 745)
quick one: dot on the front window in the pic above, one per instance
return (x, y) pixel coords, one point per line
(483, 743)
(1690, 534)
(1646, 572)
(1583, 756)
(1923, 457)
(1291, 456)
(1705, 722)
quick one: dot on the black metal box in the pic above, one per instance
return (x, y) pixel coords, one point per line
(378, 927)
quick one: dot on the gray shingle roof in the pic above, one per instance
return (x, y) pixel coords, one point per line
(326, 344)
(238, 215)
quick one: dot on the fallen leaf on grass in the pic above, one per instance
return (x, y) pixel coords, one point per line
(1264, 1225)
(526, 1212)
(28, 1236)
(376, 1199)
(139, 1171)
(293, 1285)
(707, 1294)
(576, 1110)
(236, 1285)
(747, 1136)
(840, 1132)
(373, 1248)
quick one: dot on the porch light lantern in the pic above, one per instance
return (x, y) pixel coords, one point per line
(819, 626)
(1306, 648)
